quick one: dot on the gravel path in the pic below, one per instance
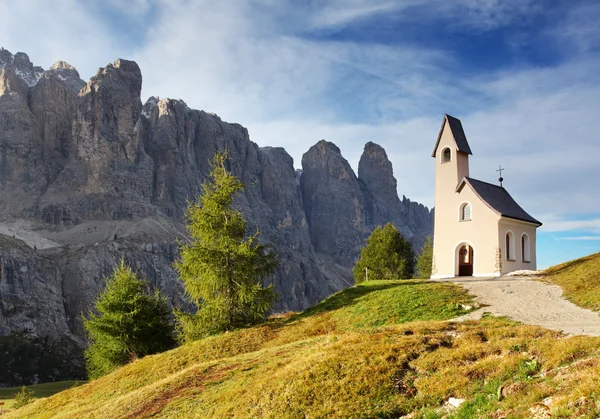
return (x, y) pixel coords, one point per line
(531, 302)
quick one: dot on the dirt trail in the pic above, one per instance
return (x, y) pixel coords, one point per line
(531, 302)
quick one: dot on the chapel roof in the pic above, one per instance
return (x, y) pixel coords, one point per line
(458, 133)
(498, 199)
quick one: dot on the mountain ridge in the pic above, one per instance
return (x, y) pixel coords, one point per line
(93, 175)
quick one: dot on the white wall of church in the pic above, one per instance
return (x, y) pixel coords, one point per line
(518, 259)
(481, 233)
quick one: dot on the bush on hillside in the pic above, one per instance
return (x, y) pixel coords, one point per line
(425, 259)
(221, 267)
(131, 323)
(23, 398)
(386, 255)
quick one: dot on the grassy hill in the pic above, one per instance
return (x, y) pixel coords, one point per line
(382, 349)
(579, 279)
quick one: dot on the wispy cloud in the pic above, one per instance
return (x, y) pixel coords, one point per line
(248, 66)
(555, 224)
(63, 30)
(582, 238)
(339, 13)
(490, 14)
(580, 30)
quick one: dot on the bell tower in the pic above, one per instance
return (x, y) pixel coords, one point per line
(451, 153)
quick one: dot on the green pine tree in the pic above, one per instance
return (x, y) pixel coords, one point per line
(130, 323)
(425, 259)
(221, 267)
(386, 255)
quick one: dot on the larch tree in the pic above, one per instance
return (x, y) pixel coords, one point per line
(129, 322)
(221, 266)
(386, 255)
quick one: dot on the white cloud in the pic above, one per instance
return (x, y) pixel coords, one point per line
(582, 238)
(292, 91)
(338, 13)
(61, 30)
(558, 224)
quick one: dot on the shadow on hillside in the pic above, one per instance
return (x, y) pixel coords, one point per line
(555, 270)
(348, 296)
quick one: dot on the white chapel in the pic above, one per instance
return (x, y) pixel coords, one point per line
(479, 228)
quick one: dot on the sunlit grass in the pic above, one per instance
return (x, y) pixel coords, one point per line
(382, 349)
(579, 279)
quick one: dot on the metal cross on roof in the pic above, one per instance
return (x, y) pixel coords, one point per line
(500, 179)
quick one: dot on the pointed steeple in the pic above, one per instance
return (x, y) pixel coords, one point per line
(457, 132)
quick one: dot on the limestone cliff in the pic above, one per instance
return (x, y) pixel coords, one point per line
(89, 174)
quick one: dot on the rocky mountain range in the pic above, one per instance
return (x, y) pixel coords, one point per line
(90, 175)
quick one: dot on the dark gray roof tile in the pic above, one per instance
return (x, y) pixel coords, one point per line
(498, 199)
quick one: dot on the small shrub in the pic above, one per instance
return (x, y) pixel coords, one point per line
(23, 397)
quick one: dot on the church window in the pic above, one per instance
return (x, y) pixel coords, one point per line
(465, 212)
(525, 248)
(446, 155)
(510, 246)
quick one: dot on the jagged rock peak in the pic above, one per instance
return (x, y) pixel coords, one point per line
(62, 65)
(21, 66)
(123, 74)
(109, 109)
(375, 150)
(336, 225)
(326, 158)
(162, 106)
(374, 162)
(67, 74)
(125, 66)
(324, 146)
(5, 56)
(149, 107)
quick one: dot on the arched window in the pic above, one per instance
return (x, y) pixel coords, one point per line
(446, 155)
(525, 248)
(465, 212)
(510, 246)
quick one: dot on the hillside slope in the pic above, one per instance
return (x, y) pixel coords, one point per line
(364, 352)
(579, 279)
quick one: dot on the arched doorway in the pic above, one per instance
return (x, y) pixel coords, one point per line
(465, 260)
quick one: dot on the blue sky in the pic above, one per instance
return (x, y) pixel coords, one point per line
(522, 75)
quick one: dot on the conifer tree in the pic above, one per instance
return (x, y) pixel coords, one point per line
(130, 323)
(386, 255)
(221, 267)
(425, 259)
